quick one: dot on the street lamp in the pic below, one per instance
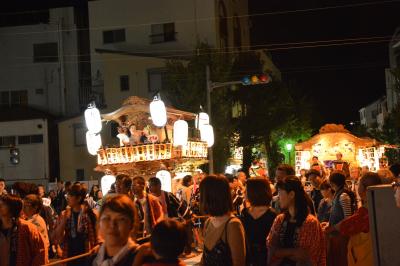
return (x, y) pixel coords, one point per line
(289, 147)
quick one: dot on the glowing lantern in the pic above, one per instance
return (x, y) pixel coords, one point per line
(254, 79)
(93, 142)
(264, 78)
(93, 119)
(165, 178)
(158, 112)
(207, 135)
(202, 119)
(246, 80)
(106, 182)
(181, 131)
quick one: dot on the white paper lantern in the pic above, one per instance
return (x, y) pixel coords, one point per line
(106, 182)
(181, 131)
(207, 134)
(93, 142)
(202, 119)
(165, 178)
(158, 112)
(93, 119)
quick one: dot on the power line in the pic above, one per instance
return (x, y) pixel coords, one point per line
(213, 18)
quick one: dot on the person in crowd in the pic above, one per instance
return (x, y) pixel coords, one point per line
(116, 224)
(93, 192)
(185, 190)
(343, 206)
(41, 191)
(242, 179)
(31, 207)
(364, 170)
(282, 171)
(296, 237)
(341, 165)
(99, 195)
(303, 177)
(237, 193)
(60, 201)
(356, 227)
(123, 184)
(74, 229)
(167, 243)
(52, 197)
(3, 190)
(386, 176)
(316, 180)
(257, 221)
(395, 169)
(224, 236)
(149, 208)
(20, 242)
(318, 166)
(324, 208)
(355, 173)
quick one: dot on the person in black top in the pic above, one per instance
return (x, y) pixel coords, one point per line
(316, 180)
(257, 221)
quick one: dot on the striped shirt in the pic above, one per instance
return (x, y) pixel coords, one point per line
(345, 202)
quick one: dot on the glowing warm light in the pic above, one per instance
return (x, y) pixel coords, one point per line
(93, 119)
(165, 178)
(106, 182)
(202, 119)
(207, 135)
(158, 112)
(93, 142)
(254, 79)
(181, 131)
(289, 146)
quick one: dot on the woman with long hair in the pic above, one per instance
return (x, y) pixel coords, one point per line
(296, 237)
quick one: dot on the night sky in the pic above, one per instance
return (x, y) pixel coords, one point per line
(339, 80)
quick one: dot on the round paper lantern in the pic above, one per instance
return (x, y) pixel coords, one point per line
(181, 131)
(93, 142)
(207, 135)
(106, 182)
(93, 119)
(158, 112)
(165, 178)
(202, 119)
(254, 79)
(264, 78)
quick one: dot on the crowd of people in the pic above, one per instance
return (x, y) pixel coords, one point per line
(313, 219)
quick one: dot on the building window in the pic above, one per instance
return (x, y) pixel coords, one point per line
(7, 141)
(80, 174)
(5, 98)
(45, 52)
(39, 91)
(124, 82)
(19, 97)
(79, 135)
(30, 139)
(113, 36)
(156, 79)
(163, 33)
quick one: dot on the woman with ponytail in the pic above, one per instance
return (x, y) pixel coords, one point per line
(296, 237)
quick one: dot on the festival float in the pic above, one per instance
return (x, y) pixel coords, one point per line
(333, 139)
(154, 140)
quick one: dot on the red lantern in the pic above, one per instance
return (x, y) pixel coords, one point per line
(264, 78)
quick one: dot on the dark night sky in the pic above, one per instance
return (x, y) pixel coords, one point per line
(339, 80)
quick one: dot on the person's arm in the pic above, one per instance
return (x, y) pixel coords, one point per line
(345, 202)
(354, 224)
(236, 242)
(38, 250)
(59, 230)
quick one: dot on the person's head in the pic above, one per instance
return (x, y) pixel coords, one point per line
(84, 185)
(367, 180)
(258, 192)
(68, 185)
(123, 184)
(2, 185)
(303, 172)
(292, 195)
(315, 178)
(215, 196)
(10, 206)
(76, 195)
(326, 190)
(60, 184)
(41, 191)
(386, 176)
(241, 176)
(187, 181)
(339, 156)
(337, 179)
(364, 169)
(93, 191)
(155, 186)
(316, 167)
(117, 219)
(138, 185)
(395, 169)
(283, 171)
(32, 204)
(233, 181)
(52, 194)
(315, 159)
(168, 239)
(99, 194)
(355, 173)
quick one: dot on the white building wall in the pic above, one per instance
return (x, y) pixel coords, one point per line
(20, 72)
(34, 158)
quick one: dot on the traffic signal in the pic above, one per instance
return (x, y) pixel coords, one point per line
(14, 156)
(256, 79)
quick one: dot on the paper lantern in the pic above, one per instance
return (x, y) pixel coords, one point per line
(158, 112)
(165, 178)
(106, 182)
(254, 79)
(207, 135)
(93, 119)
(93, 142)
(181, 131)
(202, 119)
